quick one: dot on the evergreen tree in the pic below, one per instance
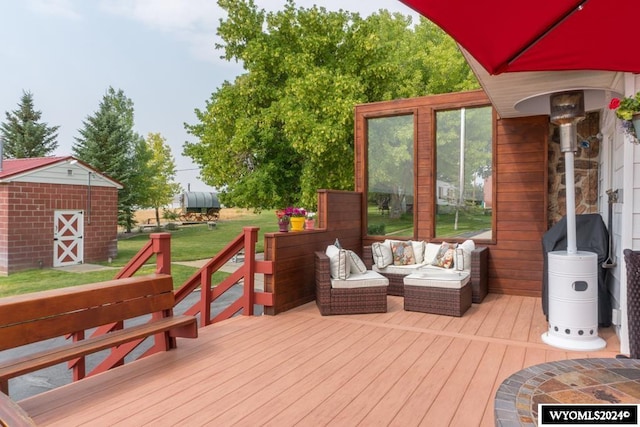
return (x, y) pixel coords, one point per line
(108, 143)
(24, 135)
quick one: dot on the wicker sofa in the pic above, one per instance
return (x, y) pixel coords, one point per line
(371, 298)
(478, 272)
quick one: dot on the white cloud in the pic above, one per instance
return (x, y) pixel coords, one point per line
(193, 21)
(59, 8)
(168, 15)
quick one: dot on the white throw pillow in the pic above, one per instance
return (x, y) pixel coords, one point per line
(382, 255)
(430, 252)
(357, 265)
(463, 255)
(338, 262)
(418, 250)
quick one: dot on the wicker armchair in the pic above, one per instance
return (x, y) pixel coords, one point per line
(632, 259)
(370, 299)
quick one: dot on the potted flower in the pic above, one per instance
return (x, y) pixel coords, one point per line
(283, 220)
(297, 216)
(309, 222)
(628, 110)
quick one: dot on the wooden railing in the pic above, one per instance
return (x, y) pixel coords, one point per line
(160, 245)
(246, 272)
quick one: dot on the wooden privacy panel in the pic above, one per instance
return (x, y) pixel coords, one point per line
(516, 261)
(293, 280)
(520, 181)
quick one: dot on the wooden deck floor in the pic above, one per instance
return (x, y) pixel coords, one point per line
(299, 368)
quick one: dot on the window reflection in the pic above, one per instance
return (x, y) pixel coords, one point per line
(390, 197)
(464, 173)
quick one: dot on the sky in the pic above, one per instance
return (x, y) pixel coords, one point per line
(161, 53)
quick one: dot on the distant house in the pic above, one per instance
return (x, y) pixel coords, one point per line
(55, 211)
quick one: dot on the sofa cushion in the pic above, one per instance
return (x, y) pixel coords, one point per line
(402, 253)
(398, 269)
(357, 266)
(338, 262)
(361, 280)
(462, 260)
(418, 250)
(430, 252)
(438, 279)
(382, 255)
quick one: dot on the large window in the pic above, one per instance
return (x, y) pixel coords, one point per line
(390, 196)
(464, 141)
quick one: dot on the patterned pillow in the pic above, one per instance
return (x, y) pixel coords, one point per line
(402, 253)
(444, 257)
(357, 266)
(447, 260)
(382, 255)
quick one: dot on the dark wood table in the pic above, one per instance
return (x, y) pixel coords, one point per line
(576, 381)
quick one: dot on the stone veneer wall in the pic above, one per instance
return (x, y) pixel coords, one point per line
(586, 170)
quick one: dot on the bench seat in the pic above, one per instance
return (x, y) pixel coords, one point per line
(66, 312)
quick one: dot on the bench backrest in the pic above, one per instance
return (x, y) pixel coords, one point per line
(38, 316)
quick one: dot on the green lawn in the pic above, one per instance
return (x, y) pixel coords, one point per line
(188, 243)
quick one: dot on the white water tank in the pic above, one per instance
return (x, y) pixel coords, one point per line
(573, 301)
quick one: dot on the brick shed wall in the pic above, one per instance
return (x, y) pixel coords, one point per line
(27, 213)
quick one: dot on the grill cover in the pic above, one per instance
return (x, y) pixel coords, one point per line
(591, 236)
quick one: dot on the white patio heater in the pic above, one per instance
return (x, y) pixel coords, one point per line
(573, 274)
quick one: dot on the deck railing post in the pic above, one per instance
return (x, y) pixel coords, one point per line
(78, 366)
(250, 239)
(205, 297)
(162, 249)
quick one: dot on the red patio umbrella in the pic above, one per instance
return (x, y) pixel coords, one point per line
(544, 35)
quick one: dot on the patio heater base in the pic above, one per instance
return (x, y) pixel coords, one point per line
(573, 301)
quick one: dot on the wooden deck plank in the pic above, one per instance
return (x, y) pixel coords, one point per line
(476, 397)
(417, 405)
(393, 401)
(512, 361)
(504, 328)
(230, 380)
(475, 316)
(282, 387)
(498, 304)
(394, 368)
(112, 394)
(323, 381)
(450, 396)
(370, 397)
(522, 325)
(366, 373)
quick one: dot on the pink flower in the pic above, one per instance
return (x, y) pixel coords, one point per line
(614, 104)
(295, 212)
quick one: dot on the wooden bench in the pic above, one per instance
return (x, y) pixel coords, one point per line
(30, 318)
(12, 415)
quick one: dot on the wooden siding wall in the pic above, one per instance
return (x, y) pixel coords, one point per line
(515, 260)
(520, 178)
(293, 278)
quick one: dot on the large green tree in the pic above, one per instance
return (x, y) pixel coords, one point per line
(161, 167)
(108, 142)
(284, 128)
(23, 135)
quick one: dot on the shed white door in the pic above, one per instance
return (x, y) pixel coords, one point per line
(68, 230)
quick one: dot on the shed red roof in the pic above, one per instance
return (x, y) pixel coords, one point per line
(12, 167)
